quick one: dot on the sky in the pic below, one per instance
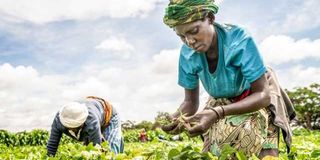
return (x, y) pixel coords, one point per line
(55, 51)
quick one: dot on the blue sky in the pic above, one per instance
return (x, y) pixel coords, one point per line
(52, 52)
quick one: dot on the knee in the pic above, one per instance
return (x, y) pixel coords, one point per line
(268, 152)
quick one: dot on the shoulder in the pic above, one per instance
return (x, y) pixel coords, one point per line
(57, 123)
(231, 29)
(233, 34)
(189, 58)
(92, 120)
(189, 55)
(186, 52)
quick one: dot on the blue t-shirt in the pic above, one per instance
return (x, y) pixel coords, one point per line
(239, 64)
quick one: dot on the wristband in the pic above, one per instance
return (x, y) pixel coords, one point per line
(223, 113)
(214, 110)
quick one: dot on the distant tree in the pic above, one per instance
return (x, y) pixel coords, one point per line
(161, 116)
(128, 125)
(147, 125)
(160, 119)
(306, 101)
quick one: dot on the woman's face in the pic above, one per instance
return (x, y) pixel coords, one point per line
(198, 35)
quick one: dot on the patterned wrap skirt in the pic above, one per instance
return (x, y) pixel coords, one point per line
(249, 133)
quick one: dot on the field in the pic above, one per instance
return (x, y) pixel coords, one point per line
(31, 145)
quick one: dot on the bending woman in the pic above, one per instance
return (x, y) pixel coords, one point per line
(245, 108)
(90, 120)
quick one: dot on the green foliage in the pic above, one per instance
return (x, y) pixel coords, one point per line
(305, 145)
(189, 152)
(152, 135)
(307, 104)
(227, 151)
(133, 135)
(162, 118)
(147, 125)
(144, 125)
(33, 138)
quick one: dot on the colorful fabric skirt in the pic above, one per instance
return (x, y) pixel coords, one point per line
(249, 133)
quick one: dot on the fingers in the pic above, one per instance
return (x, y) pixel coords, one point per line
(175, 127)
(179, 128)
(191, 119)
(169, 127)
(199, 123)
(193, 125)
(197, 130)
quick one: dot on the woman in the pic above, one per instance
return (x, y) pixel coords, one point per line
(92, 120)
(245, 108)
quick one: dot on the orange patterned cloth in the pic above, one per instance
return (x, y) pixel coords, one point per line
(106, 106)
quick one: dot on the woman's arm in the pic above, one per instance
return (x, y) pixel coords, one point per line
(55, 136)
(188, 107)
(259, 98)
(190, 103)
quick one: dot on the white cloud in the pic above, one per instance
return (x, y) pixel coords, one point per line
(137, 93)
(218, 2)
(26, 93)
(287, 17)
(43, 11)
(90, 86)
(10, 74)
(29, 98)
(116, 45)
(281, 48)
(166, 61)
(301, 17)
(298, 76)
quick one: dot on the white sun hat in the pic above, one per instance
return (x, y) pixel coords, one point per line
(73, 115)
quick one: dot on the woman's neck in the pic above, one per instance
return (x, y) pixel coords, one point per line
(212, 52)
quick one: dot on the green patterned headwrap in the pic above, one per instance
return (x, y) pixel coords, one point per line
(185, 11)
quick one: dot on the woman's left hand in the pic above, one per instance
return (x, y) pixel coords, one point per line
(200, 122)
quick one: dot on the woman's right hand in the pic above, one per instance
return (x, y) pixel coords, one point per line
(174, 127)
(188, 108)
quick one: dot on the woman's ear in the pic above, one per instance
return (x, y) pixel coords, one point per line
(211, 17)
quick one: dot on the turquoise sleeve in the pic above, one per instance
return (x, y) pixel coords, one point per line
(188, 77)
(246, 55)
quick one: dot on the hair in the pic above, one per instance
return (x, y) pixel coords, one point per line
(211, 17)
